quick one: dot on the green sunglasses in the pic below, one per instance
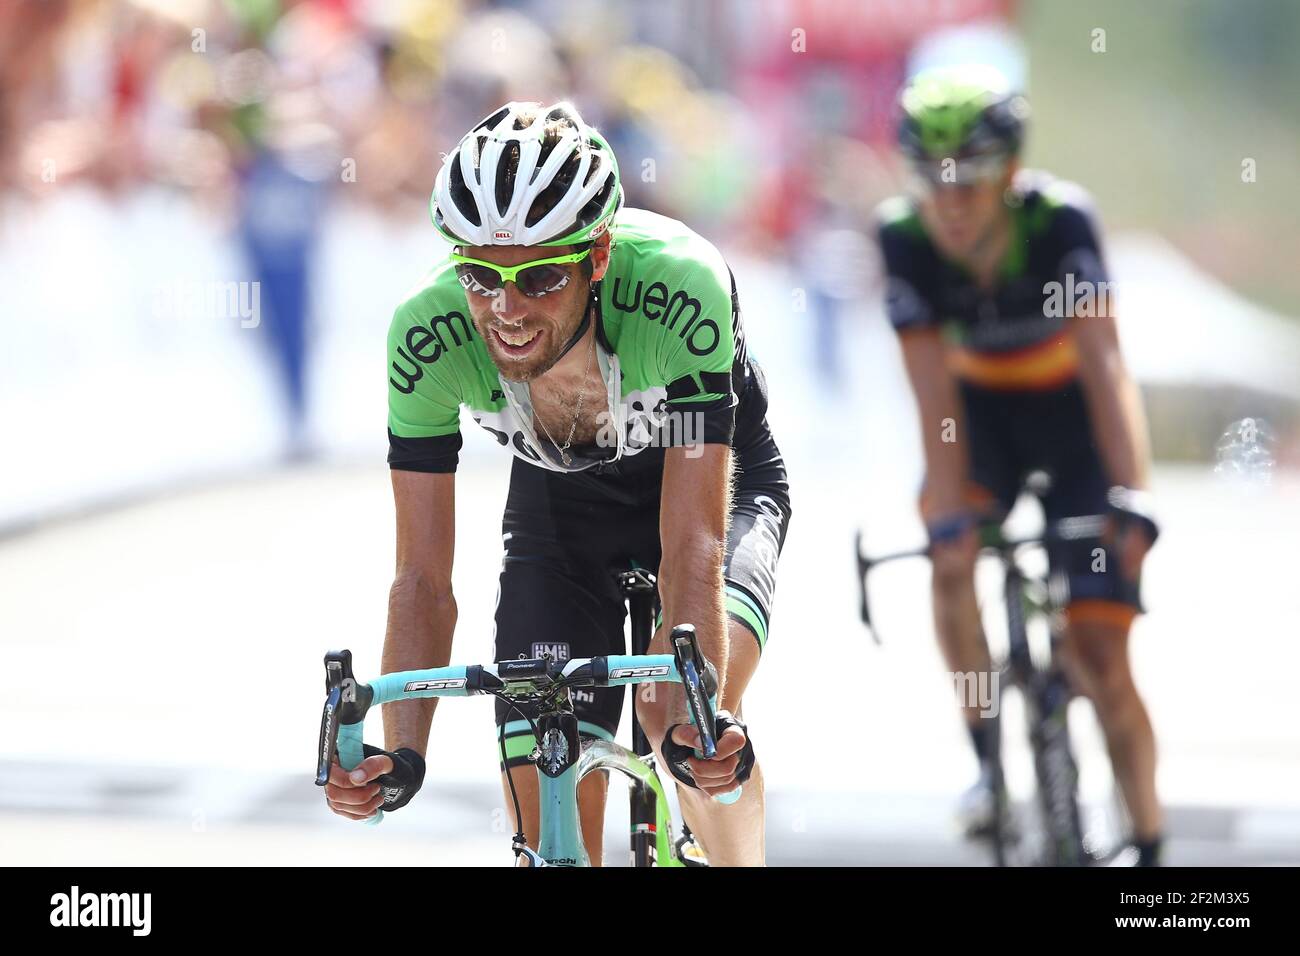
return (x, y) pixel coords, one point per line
(534, 279)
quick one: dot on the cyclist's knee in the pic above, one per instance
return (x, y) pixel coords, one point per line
(1099, 653)
(591, 810)
(744, 652)
(592, 789)
(1113, 692)
(953, 578)
(525, 790)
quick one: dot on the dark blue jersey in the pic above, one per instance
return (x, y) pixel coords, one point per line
(1015, 335)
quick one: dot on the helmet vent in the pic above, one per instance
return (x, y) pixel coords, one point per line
(553, 194)
(507, 167)
(492, 120)
(461, 196)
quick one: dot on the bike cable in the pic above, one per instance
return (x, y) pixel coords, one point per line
(520, 840)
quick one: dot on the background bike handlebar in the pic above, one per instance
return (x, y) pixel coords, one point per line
(1082, 528)
(992, 541)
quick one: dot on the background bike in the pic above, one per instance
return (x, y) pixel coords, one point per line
(1055, 835)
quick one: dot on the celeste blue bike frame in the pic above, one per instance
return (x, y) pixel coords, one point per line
(560, 757)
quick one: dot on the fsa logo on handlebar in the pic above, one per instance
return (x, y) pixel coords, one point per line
(447, 683)
(657, 670)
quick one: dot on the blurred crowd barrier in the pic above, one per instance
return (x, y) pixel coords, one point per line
(208, 208)
(753, 117)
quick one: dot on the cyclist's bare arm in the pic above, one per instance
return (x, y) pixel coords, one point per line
(940, 413)
(695, 502)
(421, 607)
(1114, 403)
(421, 619)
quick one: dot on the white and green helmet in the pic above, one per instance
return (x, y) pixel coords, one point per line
(966, 110)
(510, 182)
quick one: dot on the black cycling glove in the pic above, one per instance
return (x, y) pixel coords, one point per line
(402, 782)
(1127, 507)
(677, 754)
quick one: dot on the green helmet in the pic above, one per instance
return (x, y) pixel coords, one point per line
(959, 112)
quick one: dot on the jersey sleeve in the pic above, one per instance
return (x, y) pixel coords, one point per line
(904, 260)
(697, 361)
(423, 408)
(1075, 237)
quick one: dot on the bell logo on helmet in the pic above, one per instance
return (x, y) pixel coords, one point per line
(503, 235)
(596, 233)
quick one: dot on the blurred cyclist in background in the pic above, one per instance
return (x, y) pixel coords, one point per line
(997, 289)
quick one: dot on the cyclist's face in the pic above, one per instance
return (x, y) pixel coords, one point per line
(525, 333)
(962, 218)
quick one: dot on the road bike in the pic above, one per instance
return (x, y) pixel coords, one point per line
(1057, 837)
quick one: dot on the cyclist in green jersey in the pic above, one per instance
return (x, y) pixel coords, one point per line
(603, 347)
(997, 288)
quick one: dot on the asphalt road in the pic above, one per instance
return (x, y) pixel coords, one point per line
(165, 682)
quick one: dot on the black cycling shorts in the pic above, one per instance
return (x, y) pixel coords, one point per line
(1013, 434)
(568, 536)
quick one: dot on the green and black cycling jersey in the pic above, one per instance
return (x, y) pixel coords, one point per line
(1015, 336)
(670, 348)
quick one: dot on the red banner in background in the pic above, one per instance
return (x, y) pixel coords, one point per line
(852, 30)
(834, 66)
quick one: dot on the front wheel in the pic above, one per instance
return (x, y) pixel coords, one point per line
(1056, 772)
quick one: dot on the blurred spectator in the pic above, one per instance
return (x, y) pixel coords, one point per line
(767, 126)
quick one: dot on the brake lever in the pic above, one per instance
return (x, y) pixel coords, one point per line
(340, 704)
(346, 705)
(329, 734)
(693, 669)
